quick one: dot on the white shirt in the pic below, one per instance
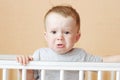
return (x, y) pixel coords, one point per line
(75, 55)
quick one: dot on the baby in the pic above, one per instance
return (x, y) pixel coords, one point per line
(62, 31)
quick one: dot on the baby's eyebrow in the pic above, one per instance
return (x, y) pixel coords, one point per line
(53, 28)
(68, 29)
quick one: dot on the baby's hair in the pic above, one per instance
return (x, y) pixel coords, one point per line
(65, 11)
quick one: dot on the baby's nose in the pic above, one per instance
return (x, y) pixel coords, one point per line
(60, 37)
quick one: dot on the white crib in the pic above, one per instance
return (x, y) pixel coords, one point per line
(99, 68)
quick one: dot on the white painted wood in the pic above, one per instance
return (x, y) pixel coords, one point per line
(18, 75)
(81, 75)
(4, 77)
(99, 77)
(112, 75)
(80, 66)
(61, 65)
(61, 74)
(118, 75)
(7, 57)
(42, 74)
(89, 75)
(24, 74)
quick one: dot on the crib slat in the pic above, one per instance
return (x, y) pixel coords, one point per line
(118, 75)
(89, 76)
(99, 75)
(81, 75)
(42, 74)
(4, 74)
(23, 74)
(112, 75)
(18, 75)
(61, 74)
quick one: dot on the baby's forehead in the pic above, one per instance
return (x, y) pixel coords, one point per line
(56, 19)
(53, 14)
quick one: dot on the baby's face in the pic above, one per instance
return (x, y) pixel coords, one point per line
(61, 32)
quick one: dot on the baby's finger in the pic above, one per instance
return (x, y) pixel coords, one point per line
(20, 59)
(25, 60)
(30, 58)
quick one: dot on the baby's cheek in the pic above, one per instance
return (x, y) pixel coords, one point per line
(71, 40)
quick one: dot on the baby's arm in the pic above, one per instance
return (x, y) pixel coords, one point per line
(115, 58)
(24, 60)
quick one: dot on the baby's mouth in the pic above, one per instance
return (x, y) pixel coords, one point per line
(60, 45)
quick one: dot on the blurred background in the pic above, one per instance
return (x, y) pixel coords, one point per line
(22, 26)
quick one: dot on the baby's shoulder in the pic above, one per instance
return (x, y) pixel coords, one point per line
(40, 52)
(78, 50)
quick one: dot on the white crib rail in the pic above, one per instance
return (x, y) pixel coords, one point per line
(8, 57)
(62, 66)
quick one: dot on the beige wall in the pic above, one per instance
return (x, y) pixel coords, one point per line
(21, 25)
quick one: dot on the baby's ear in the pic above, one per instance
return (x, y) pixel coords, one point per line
(78, 37)
(45, 35)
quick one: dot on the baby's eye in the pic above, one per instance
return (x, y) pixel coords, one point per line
(67, 32)
(53, 32)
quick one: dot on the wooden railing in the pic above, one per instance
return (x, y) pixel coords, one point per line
(82, 67)
(62, 66)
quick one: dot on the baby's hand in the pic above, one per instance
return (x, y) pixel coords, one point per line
(24, 59)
